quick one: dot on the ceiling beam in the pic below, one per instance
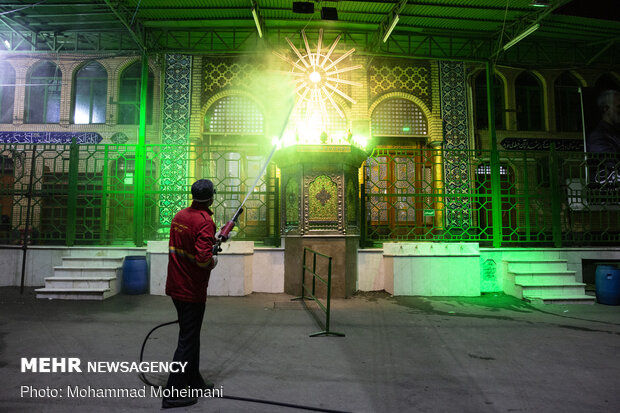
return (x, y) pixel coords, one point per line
(69, 16)
(135, 28)
(444, 5)
(520, 27)
(8, 22)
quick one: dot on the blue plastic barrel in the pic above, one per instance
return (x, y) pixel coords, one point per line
(607, 285)
(135, 275)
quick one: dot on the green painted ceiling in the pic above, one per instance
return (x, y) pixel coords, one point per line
(570, 32)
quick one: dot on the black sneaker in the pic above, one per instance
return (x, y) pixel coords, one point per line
(168, 403)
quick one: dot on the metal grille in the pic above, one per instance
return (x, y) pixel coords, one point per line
(235, 114)
(85, 194)
(398, 117)
(544, 198)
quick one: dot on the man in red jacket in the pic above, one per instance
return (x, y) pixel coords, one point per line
(190, 261)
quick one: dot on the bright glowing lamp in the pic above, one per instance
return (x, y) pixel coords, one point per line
(361, 141)
(389, 31)
(257, 22)
(315, 77)
(522, 36)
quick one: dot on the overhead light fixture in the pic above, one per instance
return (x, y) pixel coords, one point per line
(522, 36)
(7, 44)
(540, 3)
(389, 31)
(329, 13)
(303, 7)
(257, 22)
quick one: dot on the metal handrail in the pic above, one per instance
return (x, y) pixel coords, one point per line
(328, 283)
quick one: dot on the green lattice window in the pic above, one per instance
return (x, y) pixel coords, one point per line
(398, 117)
(90, 93)
(43, 94)
(234, 114)
(7, 92)
(399, 190)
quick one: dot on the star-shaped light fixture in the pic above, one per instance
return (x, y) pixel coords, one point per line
(317, 76)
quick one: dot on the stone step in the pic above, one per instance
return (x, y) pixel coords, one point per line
(85, 271)
(552, 290)
(548, 277)
(80, 282)
(546, 265)
(564, 299)
(106, 252)
(74, 293)
(92, 261)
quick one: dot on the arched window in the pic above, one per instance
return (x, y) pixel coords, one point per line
(43, 94)
(480, 97)
(399, 181)
(567, 103)
(529, 102)
(398, 117)
(129, 96)
(90, 93)
(7, 92)
(233, 171)
(235, 115)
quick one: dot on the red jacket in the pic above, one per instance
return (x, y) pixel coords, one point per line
(192, 235)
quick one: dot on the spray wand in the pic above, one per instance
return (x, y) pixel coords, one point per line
(224, 233)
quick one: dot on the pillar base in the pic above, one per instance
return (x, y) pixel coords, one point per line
(342, 249)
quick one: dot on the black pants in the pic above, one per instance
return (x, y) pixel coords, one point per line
(188, 348)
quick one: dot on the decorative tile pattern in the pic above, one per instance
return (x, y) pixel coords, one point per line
(456, 136)
(50, 137)
(175, 131)
(218, 74)
(323, 199)
(393, 75)
(292, 202)
(351, 202)
(119, 138)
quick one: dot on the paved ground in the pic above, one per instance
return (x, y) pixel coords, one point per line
(486, 354)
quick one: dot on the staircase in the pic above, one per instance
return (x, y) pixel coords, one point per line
(544, 280)
(83, 278)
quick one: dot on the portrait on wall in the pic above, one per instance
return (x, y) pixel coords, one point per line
(601, 105)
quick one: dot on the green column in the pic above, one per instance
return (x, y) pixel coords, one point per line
(556, 207)
(496, 202)
(74, 158)
(140, 163)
